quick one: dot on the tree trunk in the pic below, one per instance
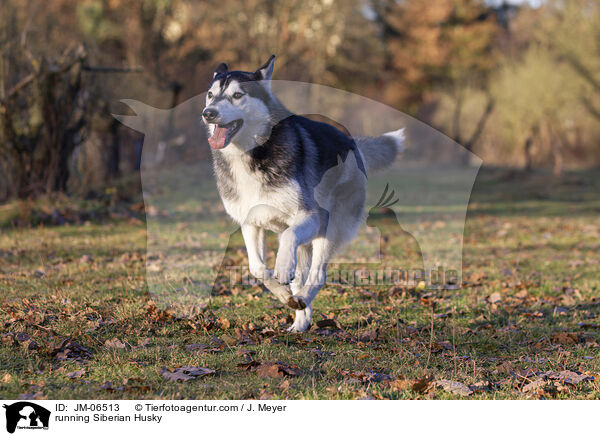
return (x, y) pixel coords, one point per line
(114, 152)
(557, 153)
(528, 154)
(42, 121)
(479, 128)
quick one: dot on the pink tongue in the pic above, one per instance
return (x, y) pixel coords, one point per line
(217, 140)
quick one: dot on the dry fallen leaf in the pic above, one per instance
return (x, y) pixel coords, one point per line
(568, 377)
(368, 336)
(225, 324)
(368, 376)
(454, 387)
(115, 343)
(277, 369)
(535, 386)
(69, 349)
(481, 386)
(422, 385)
(75, 374)
(158, 315)
(400, 384)
(495, 297)
(565, 338)
(203, 348)
(185, 373)
(249, 365)
(326, 323)
(6, 378)
(142, 343)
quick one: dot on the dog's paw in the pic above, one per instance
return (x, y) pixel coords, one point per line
(296, 329)
(285, 269)
(296, 303)
(301, 322)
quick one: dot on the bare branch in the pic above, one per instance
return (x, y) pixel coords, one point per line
(32, 76)
(591, 108)
(583, 71)
(112, 69)
(481, 124)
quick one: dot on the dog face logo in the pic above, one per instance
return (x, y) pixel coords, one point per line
(26, 415)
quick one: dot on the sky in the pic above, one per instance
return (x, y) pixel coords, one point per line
(532, 3)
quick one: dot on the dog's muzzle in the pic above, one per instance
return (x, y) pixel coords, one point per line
(210, 114)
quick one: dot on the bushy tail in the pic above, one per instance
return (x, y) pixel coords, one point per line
(380, 152)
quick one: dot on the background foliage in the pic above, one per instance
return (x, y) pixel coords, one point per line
(517, 85)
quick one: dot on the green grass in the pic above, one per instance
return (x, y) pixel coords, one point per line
(530, 305)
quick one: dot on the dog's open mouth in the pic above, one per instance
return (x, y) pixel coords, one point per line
(224, 133)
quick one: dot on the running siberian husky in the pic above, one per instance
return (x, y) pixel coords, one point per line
(302, 179)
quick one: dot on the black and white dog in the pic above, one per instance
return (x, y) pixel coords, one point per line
(302, 179)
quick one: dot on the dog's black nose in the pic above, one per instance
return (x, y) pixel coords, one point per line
(210, 114)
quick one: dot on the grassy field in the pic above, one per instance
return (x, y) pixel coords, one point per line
(77, 319)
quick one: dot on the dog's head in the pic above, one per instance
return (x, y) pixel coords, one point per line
(238, 106)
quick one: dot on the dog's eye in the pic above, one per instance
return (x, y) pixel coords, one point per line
(238, 95)
(210, 95)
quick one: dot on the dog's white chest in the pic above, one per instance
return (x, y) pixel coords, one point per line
(255, 203)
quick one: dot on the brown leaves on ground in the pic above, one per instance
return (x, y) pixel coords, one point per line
(23, 340)
(567, 377)
(565, 338)
(203, 348)
(31, 396)
(551, 382)
(369, 335)
(425, 384)
(496, 297)
(115, 344)
(401, 383)
(454, 387)
(131, 385)
(75, 374)
(5, 378)
(278, 369)
(158, 315)
(422, 385)
(327, 322)
(209, 321)
(271, 369)
(185, 373)
(367, 376)
(71, 350)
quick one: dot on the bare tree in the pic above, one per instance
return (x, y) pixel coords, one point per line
(43, 118)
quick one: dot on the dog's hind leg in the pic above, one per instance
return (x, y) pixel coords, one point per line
(322, 250)
(303, 316)
(304, 254)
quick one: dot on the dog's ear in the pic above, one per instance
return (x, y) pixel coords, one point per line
(222, 68)
(266, 70)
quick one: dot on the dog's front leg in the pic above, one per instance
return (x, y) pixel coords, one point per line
(304, 229)
(254, 238)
